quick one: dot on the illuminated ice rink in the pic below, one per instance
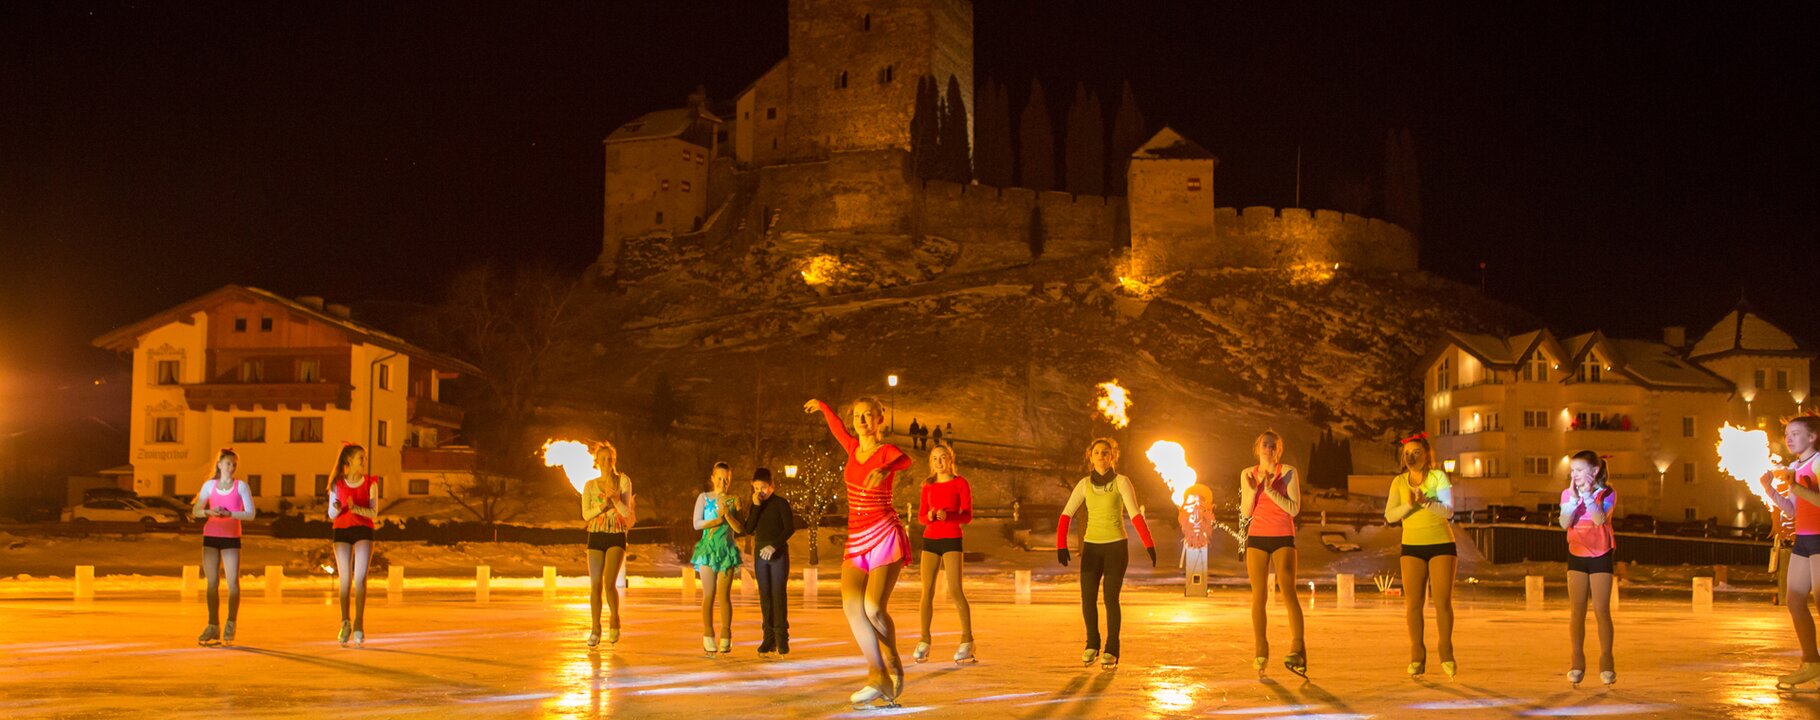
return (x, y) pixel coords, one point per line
(440, 653)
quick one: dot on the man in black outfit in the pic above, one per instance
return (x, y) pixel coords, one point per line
(772, 524)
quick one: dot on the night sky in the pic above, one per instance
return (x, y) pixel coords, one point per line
(1617, 167)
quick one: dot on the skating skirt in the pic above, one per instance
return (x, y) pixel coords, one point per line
(889, 546)
(716, 553)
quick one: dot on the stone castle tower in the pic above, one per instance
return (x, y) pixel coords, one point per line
(853, 69)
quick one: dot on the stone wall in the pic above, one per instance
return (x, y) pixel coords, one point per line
(1267, 237)
(832, 39)
(992, 224)
(868, 192)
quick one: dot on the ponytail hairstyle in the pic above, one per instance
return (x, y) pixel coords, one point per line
(341, 461)
(609, 470)
(1110, 444)
(226, 453)
(953, 461)
(1428, 456)
(1602, 480)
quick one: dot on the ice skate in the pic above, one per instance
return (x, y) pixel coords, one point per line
(964, 654)
(346, 629)
(921, 653)
(726, 646)
(1608, 677)
(227, 633)
(1089, 655)
(1574, 676)
(1258, 663)
(1451, 668)
(211, 636)
(708, 647)
(864, 697)
(593, 638)
(612, 636)
(1417, 669)
(783, 645)
(360, 638)
(1808, 672)
(1297, 662)
(1109, 661)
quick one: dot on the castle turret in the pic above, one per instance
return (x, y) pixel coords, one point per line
(1171, 201)
(853, 69)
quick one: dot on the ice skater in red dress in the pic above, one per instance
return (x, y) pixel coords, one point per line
(877, 546)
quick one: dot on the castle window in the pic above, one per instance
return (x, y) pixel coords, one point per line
(687, 156)
(240, 326)
(1781, 379)
(663, 184)
(1194, 184)
(773, 143)
(265, 324)
(866, 22)
(660, 217)
(840, 81)
(888, 74)
(770, 113)
(685, 185)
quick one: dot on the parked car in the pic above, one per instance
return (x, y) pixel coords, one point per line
(1635, 524)
(175, 505)
(1506, 513)
(120, 510)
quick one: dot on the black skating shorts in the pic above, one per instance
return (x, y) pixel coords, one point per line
(604, 541)
(1429, 552)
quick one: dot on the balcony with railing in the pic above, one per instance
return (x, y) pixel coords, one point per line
(1483, 392)
(425, 411)
(225, 396)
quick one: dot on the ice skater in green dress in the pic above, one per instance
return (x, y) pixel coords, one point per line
(716, 558)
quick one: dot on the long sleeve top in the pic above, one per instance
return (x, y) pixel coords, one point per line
(771, 523)
(1108, 504)
(954, 497)
(871, 519)
(1407, 504)
(603, 515)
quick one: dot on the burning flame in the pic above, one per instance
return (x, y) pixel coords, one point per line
(1744, 455)
(819, 270)
(1171, 462)
(1114, 402)
(576, 459)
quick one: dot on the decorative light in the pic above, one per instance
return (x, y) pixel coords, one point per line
(1449, 464)
(790, 471)
(891, 380)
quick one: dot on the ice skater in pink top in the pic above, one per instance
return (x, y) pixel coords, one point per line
(1586, 510)
(1803, 502)
(1270, 495)
(226, 502)
(877, 546)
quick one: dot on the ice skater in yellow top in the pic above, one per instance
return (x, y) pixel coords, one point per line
(1421, 499)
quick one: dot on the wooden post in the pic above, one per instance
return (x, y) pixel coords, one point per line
(192, 581)
(483, 575)
(811, 576)
(1021, 586)
(549, 582)
(1703, 594)
(274, 582)
(1532, 592)
(1342, 589)
(85, 582)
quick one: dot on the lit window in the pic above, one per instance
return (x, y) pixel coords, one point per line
(168, 372)
(1194, 184)
(684, 185)
(309, 371)
(306, 430)
(164, 430)
(249, 430)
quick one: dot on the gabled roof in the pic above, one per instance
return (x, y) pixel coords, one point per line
(1504, 353)
(1650, 364)
(1660, 367)
(661, 124)
(124, 339)
(1167, 144)
(1742, 332)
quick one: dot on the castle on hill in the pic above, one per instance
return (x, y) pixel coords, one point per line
(820, 147)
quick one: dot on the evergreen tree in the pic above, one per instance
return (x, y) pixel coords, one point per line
(925, 129)
(1036, 230)
(956, 153)
(1085, 161)
(1128, 135)
(1402, 182)
(993, 163)
(1036, 143)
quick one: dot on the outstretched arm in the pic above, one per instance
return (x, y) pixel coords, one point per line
(835, 427)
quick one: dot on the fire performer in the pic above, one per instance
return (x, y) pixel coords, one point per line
(877, 545)
(1586, 510)
(947, 504)
(716, 557)
(354, 510)
(225, 501)
(1105, 553)
(1270, 495)
(1196, 520)
(608, 507)
(1803, 502)
(1421, 499)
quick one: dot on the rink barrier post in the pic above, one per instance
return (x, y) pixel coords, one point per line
(1021, 586)
(1703, 594)
(1532, 592)
(483, 577)
(274, 582)
(192, 581)
(1343, 589)
(85, 582)
(549, 582)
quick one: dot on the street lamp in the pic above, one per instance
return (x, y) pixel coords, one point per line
(891, 380)
(790, 471)
(1449, 465)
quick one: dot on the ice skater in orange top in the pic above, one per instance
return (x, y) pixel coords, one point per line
(877, 546)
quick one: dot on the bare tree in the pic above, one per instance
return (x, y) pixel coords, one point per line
(819, 484)
(492, 498)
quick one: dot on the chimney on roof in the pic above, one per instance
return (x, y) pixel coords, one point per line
(338, 310)
(1675, 336)
(312, 301)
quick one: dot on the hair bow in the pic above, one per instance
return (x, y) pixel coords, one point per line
(1413, 438)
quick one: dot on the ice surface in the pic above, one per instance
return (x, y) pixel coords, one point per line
(437, 653)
